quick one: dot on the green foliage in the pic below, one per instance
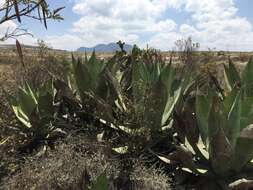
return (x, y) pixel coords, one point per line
(233, 79)
(152, 88)
(35, 110)
(95, 86)
(225, 146)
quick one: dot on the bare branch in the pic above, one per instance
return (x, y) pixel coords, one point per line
(17, 32)
(33, 9)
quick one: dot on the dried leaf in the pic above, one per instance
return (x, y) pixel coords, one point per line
(4, 141)
(20, 53)
(121, 150)
(15, 3)
(100, 136)
(241, 184)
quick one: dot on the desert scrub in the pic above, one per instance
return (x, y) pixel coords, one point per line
(149, 178)
(37, 71)
(64, 169)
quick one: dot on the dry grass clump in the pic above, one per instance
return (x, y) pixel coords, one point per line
(7, 86)
(149, 178)
(64, 169)
(39, 70)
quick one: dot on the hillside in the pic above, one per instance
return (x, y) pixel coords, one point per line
(106, 48)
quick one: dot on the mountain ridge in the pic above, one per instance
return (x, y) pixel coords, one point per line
(106, 48)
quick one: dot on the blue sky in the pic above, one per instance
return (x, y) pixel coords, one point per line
(220, 24)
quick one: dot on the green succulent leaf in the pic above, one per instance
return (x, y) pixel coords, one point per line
(232, 77)
(203, 106)
(82, 78)
(155, 105)
(244, 148)
(234, 120)
(220, 149)
(27, 102)
(247, 80)
(170, 105)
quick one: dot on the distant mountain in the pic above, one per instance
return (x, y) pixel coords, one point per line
(106, 48)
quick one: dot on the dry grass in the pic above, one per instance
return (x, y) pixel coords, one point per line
(63, 168)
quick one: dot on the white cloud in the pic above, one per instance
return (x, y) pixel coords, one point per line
(164, 41)
(121, 9)
(211, 23)
(103, 21)
(70, 42)
(216, 24)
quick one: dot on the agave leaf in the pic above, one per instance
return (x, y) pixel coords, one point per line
(229, 101)
(202, 149)
(191, 129)
(83, 79)
(247, 72)
(74, 62)
(102, 89)
(167, 77)
(247, 79)
(165, 159)
(21, 116)
(154, 107)
(139, 86)
(108, 89)
(26, 101)
(220, 149)
(45, 104)
(234, 120)
(246, 112)
(94, 67)
(170, 105)
(232, 77)
(186, 157)
(244, 148)
(188, 83)
(221, 153)
(154, 72)
(31, 93)
(121, 150)
(126, 80)
(241, 184)
(101, 109)
(203, 107)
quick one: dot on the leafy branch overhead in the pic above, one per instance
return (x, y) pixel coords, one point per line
(35, 9)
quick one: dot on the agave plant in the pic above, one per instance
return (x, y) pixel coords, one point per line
(95, 87)
(234, 79)
(224, 149)
(135, 93)
(153, 88)
(35, 109)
